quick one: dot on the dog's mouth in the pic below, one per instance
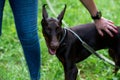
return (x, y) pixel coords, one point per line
(52, 51)
(52, 48)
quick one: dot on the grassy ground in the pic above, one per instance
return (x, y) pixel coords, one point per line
(12, 62)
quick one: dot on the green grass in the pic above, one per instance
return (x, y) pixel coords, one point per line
(12, 62)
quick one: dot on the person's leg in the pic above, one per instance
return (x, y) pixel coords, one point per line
(2, 2)
(25, 14)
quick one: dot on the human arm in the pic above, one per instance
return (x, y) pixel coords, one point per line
(102, 24)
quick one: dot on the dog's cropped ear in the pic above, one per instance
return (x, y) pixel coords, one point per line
(44, 12)
(44, 15)
(61, 15)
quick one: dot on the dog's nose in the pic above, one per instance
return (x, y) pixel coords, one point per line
(54, 45)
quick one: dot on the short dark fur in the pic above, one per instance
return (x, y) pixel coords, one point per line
(70, 51)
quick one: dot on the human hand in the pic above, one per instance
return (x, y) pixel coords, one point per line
(105, 25)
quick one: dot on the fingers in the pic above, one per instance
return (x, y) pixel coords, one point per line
(112, 28)
(109, 29)
(107, 26)
(110, 21)
(109, 32)
(115, 27)
(100, 32)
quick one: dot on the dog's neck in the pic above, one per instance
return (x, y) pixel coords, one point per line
(63, 35)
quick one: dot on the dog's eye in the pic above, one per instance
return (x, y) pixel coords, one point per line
(58, 29)
(48, 30)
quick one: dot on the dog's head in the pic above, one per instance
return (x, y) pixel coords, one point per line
(51, 28)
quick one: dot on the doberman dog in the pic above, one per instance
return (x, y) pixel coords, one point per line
(68, 48)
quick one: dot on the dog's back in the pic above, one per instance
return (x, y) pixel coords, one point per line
(91, 36)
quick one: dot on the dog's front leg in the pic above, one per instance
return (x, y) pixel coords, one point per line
(70, 71)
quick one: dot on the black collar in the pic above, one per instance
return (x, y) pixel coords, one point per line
(63, 36)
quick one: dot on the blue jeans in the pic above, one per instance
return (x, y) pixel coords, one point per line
(25, 16)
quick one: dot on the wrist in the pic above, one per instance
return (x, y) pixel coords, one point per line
(97, 16)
